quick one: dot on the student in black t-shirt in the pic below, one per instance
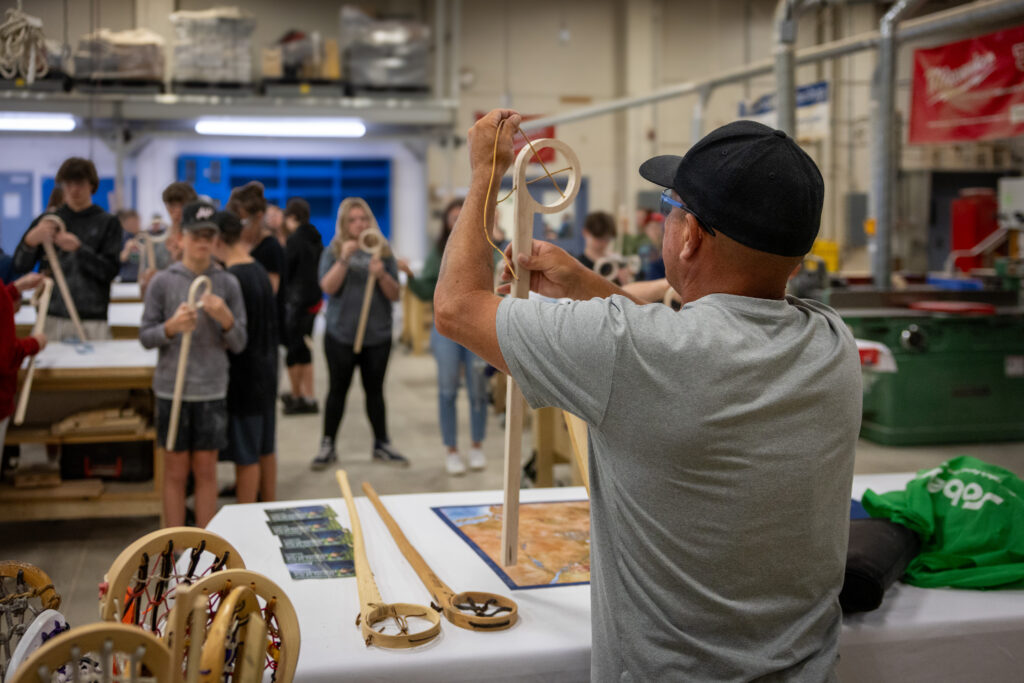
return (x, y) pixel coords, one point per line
(303, 300)
(252, 384)
(249, 204)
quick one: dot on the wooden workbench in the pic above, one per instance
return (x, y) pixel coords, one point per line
(85, 377)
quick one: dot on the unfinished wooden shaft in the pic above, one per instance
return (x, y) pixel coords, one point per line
(58, 275)
(373, 242)
(26, 389)
(522, 242)
(179, 378)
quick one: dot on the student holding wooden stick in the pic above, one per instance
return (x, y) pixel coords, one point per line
(13, 349)
(216, 325)
(88, 252)
(345, 270)
(722, 435)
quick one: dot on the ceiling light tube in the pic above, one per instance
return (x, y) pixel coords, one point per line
(40, 122)
(281, 127)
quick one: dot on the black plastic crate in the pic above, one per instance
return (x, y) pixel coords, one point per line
(112, 461)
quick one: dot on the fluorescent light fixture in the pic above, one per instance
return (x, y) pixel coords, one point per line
(36, 122)
(281, 128)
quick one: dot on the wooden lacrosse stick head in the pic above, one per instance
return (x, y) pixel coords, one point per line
(399, 612)
(372, 241)
(41, 300)
(372, 608)
(481, 611)
(121, 651)
(28, 576)
(125, 569)
(279, 615)
(227, 632)
(201, 282)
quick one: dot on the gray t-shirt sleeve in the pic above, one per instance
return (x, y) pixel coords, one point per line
(563, 354)
(151, 332)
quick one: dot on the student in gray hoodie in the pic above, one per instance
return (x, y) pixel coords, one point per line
(218, 327)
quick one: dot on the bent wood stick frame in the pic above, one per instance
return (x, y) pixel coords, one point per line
(179, 379)
(522, 242)
(227, 633)
(372, 608)
(148, 240)
(372, 242)
(486, 611)
(42, 297)
(58, 275)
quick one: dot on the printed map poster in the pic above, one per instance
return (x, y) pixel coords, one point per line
(554, 541)
(969, 90)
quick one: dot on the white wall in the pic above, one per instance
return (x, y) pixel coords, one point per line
(42, 156)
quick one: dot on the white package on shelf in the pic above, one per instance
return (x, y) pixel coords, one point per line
(213, 46)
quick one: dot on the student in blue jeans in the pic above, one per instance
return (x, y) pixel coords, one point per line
(451, 359)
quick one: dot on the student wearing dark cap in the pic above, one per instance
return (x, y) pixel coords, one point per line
(722, 435)
(88, 251)
(252, 382)
(218, 327)
(302, 301)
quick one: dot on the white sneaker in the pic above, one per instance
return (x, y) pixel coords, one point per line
(477, 461)
(454, 465)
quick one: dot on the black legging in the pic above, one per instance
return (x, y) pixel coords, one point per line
(341, 364)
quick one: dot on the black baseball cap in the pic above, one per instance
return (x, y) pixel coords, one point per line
(750, 182)
(199, 216)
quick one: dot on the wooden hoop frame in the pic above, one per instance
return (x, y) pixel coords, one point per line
(143, 648)
(239, 607)
(522, 241)
(372, 608)
(193, 600)
(125, 566)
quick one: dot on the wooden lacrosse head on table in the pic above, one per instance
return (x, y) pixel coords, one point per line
(235, 642)
(472, 610)
(26, 592)
(58, 275)
(522, 242)
(196, 607)
(200, 282)
(41, 300)
(372, 608)
(138, 588)
(372, 242)
(107, 653)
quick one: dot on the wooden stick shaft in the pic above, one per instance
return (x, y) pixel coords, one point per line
(369, 594)
(438, 589)
(26, 389)
(179, 377)
(364, 313)
(62, 285)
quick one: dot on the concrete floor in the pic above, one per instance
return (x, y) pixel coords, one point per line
(76, 554)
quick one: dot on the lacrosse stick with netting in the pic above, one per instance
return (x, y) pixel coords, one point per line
(140, 585)
(196, 607)
(26, 592)
(99, 653)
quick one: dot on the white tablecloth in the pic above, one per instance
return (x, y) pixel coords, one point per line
(917, 634)
(118, 314)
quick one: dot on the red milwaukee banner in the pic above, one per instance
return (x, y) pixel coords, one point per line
(970, 90)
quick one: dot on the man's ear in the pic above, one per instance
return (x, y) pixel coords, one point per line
(693, 237)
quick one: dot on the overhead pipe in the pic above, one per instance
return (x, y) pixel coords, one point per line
(786, 12)
(883, 147)
(977, 14)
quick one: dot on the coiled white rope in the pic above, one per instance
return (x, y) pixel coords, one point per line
(22, 46)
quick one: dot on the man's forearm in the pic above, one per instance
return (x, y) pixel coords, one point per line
(467, 265)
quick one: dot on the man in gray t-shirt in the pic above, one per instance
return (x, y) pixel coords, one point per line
(721, 436)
